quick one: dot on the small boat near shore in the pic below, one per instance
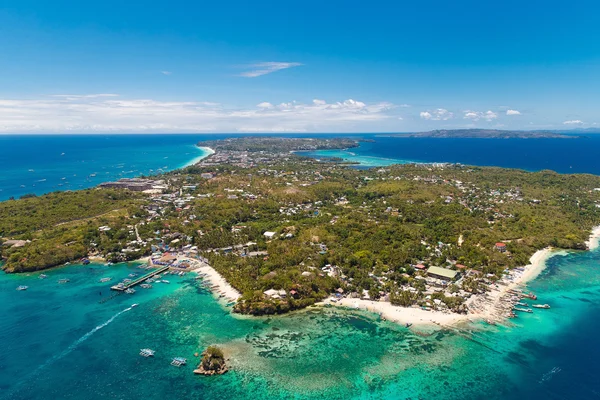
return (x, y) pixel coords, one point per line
(527, 310)
(23, 287)
(134, 305)
(107, 279)
(63, 281)
(43, 276)
(529, 296)
(130, 291)
(546, 306)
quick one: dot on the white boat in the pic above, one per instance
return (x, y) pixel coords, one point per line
(165, 281)
(130, 291)
(107, 279)
(64, 280)
(178, 361)
(147, 352)
(134, 305)
(541, 306)
(43, 276)
(23, 287)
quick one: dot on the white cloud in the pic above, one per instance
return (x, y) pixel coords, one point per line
(265, 104)
(440, 114)
(83, 96)
(265, 68)
(477, 115)
(109, 113)
(573, 122)
(166, 72)
(513, 112)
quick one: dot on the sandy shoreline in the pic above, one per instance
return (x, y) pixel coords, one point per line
(401, 315)
(594, 240)
(481, 307)
(486, 306)
(215, 279)
(196, 160)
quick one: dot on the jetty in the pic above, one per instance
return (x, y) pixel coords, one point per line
(121, 287)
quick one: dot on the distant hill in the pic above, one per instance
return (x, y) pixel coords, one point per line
(487, 134)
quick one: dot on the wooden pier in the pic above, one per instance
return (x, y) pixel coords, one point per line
(122, 288)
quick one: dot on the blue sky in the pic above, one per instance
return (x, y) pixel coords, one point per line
(314, 66)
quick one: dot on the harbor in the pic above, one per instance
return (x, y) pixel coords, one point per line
(123, 287)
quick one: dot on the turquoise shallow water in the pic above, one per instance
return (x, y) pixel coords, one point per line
(59, 342)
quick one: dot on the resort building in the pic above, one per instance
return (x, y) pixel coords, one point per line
(442, 273)
(501, 247)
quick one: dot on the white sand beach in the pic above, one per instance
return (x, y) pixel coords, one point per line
(484, 306)
(208, 152)
(594, 240)
(223, 287)
(491, 305)
(537, 263)
(402, 315)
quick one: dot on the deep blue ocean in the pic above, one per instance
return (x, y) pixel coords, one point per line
(45, 163)
(63, 342)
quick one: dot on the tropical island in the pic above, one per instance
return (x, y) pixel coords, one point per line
(485, 134)
(212, 363)
(287, 232)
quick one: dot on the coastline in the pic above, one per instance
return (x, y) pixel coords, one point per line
(401, 315)
(206, 152)
(221, 286)
(593, 241)
(489, 306)
(481, 307)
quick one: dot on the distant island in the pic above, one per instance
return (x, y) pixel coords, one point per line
(267, 144)
(485, 134)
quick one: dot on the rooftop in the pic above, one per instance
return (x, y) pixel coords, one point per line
(447, 273)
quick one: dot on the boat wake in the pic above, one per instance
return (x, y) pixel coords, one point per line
(547, 376)
(72, 347)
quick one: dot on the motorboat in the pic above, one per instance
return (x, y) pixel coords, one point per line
(541, 306)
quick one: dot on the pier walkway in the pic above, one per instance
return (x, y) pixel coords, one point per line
(122, 288)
